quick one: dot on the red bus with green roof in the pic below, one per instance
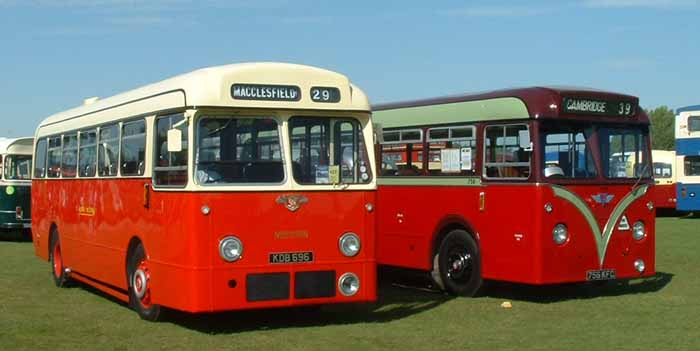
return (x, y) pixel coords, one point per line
(524, 185)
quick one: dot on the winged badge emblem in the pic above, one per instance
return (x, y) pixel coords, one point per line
(603, 198)
(292, 202)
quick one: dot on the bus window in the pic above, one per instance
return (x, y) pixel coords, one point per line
(133, 151)
(662, 170)
(69, 163)
(691, 164)
(87, 157)
(54, 164)
(624, 153)
(238, 150)
(17, 167)
(503, 157)
(452, 151)
(566, 152)
(40, 162)
(402, 153)
(315, 151)
(108, 154)
(694, 124)
(171, 167)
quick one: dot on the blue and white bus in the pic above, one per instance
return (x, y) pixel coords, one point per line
(688, 158)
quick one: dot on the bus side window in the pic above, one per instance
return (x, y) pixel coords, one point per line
(458, 145)
(503, 157)
(170, 168)
(40, 162)
(87, 155)
(69, 160)
(133, 151)
(108, 152)
(402, 153)
(54, 157)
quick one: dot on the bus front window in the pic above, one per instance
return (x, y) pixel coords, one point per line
(567, 153)
(328, 151)
(624, 152)
(17, 167)
(238, 150)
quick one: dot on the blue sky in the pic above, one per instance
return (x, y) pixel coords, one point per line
(56, 53)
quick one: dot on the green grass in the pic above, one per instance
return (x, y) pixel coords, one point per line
(656, 313)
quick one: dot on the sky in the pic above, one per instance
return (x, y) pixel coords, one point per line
(57, 53)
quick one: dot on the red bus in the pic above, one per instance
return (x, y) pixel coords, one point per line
(232, 187)
(524, 185)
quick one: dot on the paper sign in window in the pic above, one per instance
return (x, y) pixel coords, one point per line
(450, 159)
(466, 158)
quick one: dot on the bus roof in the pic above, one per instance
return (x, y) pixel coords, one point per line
(17, 146)
(688, 109)
(213, 87)
(517, 103)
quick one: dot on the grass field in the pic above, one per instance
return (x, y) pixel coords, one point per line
(657, 313)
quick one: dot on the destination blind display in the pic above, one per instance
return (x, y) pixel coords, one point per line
(266, 92)
(598, 107)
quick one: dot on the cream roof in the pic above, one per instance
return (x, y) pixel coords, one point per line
(211, 87)
(17, 146)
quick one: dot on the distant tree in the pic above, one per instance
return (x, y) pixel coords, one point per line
(662, 128)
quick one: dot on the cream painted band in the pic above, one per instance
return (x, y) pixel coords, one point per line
(601, 238)
(430, 181)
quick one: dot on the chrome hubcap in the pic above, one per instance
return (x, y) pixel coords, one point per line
(140, 283)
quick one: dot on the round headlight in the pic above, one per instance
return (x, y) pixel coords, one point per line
(560, 234)
(230, 248)
(638, 232)
(349, 244)
(639, 266)
(349, 284)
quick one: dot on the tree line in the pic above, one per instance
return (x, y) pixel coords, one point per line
(662, 128)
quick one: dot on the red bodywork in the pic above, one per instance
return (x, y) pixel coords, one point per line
(665, 196)
(513, 230)
(97, 218)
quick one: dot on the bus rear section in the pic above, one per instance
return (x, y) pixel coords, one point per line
(263, 195)
(526, 185)
(688, 158)
(664, 191)
(15, 185)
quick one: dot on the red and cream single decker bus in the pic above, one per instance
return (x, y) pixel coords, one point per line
(665, 178)
(233, 187)
(524, 185)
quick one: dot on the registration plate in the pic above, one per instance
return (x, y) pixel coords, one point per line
(291, 257)
(602, 274)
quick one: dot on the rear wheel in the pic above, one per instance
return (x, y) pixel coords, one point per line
(139, 277)
(58, 270)
(457, 264)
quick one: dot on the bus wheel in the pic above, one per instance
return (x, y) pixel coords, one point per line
(139, 277)
(58, 270)
(457, 265)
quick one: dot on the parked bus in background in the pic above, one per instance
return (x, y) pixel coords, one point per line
(525, 185)
(232, 187)
(664, 164)
(688, 158)
(15, 185)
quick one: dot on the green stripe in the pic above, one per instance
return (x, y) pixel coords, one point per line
(432, 181)
(601, 239)
(470, 111)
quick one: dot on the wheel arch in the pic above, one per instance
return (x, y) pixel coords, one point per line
(446, 225)
(133, 243)
(52, 229)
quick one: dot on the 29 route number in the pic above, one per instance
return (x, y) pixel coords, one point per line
(325, 94)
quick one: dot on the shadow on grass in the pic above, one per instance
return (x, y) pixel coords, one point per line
(395, 301)
(689, 215)
(565, 292)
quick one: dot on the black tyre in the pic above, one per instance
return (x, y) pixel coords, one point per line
(58, 269)
(457, 264)
(138, 275)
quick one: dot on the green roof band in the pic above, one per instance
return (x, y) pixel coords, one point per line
(469, 111)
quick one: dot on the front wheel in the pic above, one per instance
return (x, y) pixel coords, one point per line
(58, 270)
(457, 264)
(139, 277)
